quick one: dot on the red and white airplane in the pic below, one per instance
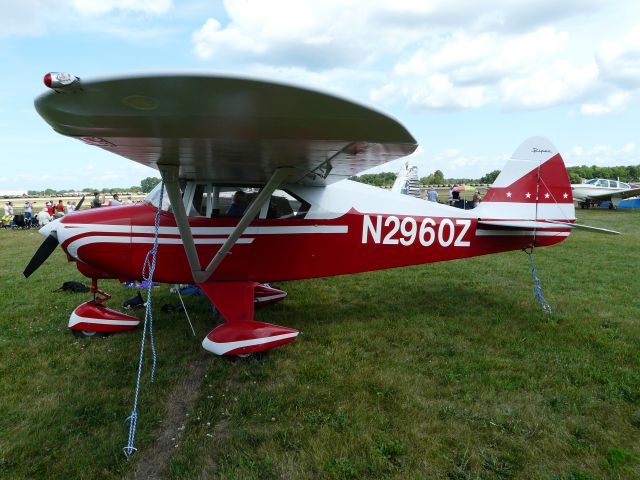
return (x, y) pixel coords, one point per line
(291, 151)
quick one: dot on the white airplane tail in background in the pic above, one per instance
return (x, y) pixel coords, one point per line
(533, 186)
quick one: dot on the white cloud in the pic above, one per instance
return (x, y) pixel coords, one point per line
(469, 71)
(317, 35)
(448, 54)
(619, 60)
(612, 103)
(438, 92)
(602, 155)
(211, 40)
(557, 83)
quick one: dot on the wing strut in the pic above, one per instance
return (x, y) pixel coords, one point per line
(169, 174)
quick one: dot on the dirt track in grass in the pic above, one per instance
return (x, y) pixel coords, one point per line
(154, 460)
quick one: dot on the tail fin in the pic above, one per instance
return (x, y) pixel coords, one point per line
(533, 185)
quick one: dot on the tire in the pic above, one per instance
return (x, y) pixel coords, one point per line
(87, 334)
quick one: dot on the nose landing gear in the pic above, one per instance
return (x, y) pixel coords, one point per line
(93, 319)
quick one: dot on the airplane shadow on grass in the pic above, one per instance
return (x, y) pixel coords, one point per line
(398, 299)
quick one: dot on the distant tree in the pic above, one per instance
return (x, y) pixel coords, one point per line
(384, 179)
(490, 177)
(575, 178)
(436, 178)
(624, 173)
(147, 184)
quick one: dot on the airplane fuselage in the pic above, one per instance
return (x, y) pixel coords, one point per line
(395, 231)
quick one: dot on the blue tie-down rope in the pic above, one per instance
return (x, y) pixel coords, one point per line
(537, 287)
(147, 274)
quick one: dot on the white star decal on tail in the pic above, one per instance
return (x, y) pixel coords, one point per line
(565, 195)
(546, 195)
(508, 194)
(528, 195)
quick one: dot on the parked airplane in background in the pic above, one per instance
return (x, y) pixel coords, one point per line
(287, 153)
(407, 181)
(597, 190)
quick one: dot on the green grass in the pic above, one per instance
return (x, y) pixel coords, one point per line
(439, 371)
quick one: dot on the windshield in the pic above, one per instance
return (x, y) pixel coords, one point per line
(153, 197)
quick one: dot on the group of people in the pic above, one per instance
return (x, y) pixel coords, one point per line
(454, 194)
(51, 210)
(99, 201)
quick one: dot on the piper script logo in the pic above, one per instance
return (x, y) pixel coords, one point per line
(540, 150)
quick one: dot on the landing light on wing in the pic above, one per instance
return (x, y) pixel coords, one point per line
(60, 81)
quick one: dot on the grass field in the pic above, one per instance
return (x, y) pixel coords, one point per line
(438, 371)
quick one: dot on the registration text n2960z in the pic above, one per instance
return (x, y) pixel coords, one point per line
(391, 230)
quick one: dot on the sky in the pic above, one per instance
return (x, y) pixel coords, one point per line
(470, 80)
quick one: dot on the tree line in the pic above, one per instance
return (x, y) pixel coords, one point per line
(625, 174)
(146, 185)
(576, 175)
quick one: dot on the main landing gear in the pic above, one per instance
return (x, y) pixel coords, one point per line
(93, 319)
(241, 334)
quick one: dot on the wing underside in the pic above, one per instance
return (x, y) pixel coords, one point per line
(226, 129)
(633, 192)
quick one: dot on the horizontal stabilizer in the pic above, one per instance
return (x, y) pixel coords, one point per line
(588, 228)
(544, 225)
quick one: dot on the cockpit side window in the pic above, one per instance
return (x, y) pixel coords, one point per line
(284, 204)
(204, 199)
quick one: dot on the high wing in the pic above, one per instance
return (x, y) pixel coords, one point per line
(622, 194)
(226, 129)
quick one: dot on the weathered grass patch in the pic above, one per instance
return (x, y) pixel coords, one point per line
(438, 371)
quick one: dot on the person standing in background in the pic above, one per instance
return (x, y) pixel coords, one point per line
(116, 200)
(432, 195)
(28, 210)
(96, 202)
(476, 198)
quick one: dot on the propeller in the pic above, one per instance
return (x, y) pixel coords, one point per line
(48, 246)
(79, 204)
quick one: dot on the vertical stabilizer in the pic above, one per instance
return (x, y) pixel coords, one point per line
(533, 185)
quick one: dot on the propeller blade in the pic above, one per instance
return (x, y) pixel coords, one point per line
(79, 204)
(48, 246)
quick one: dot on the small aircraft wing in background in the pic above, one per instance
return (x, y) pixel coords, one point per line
(231, 130)
(633, 192)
